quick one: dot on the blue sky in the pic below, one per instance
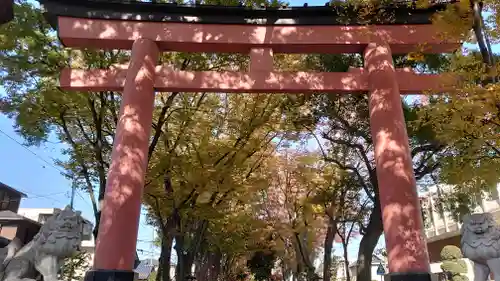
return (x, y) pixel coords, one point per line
(46, 187)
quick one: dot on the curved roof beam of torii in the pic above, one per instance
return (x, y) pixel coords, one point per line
(397, 12)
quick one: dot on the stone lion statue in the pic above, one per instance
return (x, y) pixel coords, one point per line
(59, 238)
(481, 244)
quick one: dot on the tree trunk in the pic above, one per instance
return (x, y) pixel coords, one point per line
(346, 262)
(165, 258)
(159, 273)
(327, 259)
(183, 264)
(202, 266)
(214, 261)
(97, 214)
(287, 273)
(344, 237)
(303, 254)
(185, 259)
(368, 244)
(227, 265)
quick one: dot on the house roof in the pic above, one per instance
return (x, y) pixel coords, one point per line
(144, 270)
(13, 190)
(7, 215)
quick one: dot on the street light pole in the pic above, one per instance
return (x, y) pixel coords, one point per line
(73, 191)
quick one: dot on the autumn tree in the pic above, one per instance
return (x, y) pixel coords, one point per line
(350, 218)
(467, 119)
(340, 124)
(207, 167)
(340, 202)
(208, 151)
(295, 206)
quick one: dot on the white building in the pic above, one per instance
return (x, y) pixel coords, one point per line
(42, 214)
(376, 262)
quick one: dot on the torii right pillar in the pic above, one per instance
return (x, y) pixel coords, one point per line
(401, 215)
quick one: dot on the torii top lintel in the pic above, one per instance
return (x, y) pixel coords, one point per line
(205, 28)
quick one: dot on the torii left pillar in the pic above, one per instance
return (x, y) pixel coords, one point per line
(117, 238)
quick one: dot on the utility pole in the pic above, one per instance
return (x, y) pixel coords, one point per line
(72, 199)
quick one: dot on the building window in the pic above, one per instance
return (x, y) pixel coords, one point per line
(86, 236)
(87, 232)
(5, 201)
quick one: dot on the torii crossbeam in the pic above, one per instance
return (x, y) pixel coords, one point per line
(148, 29)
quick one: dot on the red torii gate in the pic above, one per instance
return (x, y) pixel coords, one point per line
(403, 227)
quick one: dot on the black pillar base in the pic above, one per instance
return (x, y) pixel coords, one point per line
(409, 276)
(7, 11)
(109, 275)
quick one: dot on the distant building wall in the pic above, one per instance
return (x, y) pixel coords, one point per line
(8, 231)
(23, 230)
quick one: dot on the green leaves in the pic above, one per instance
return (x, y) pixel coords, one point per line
(75, 267)
(453, 263)
(467, 121)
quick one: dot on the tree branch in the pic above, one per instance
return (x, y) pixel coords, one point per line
(361, 179)
(85, 172)
(161, 121)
